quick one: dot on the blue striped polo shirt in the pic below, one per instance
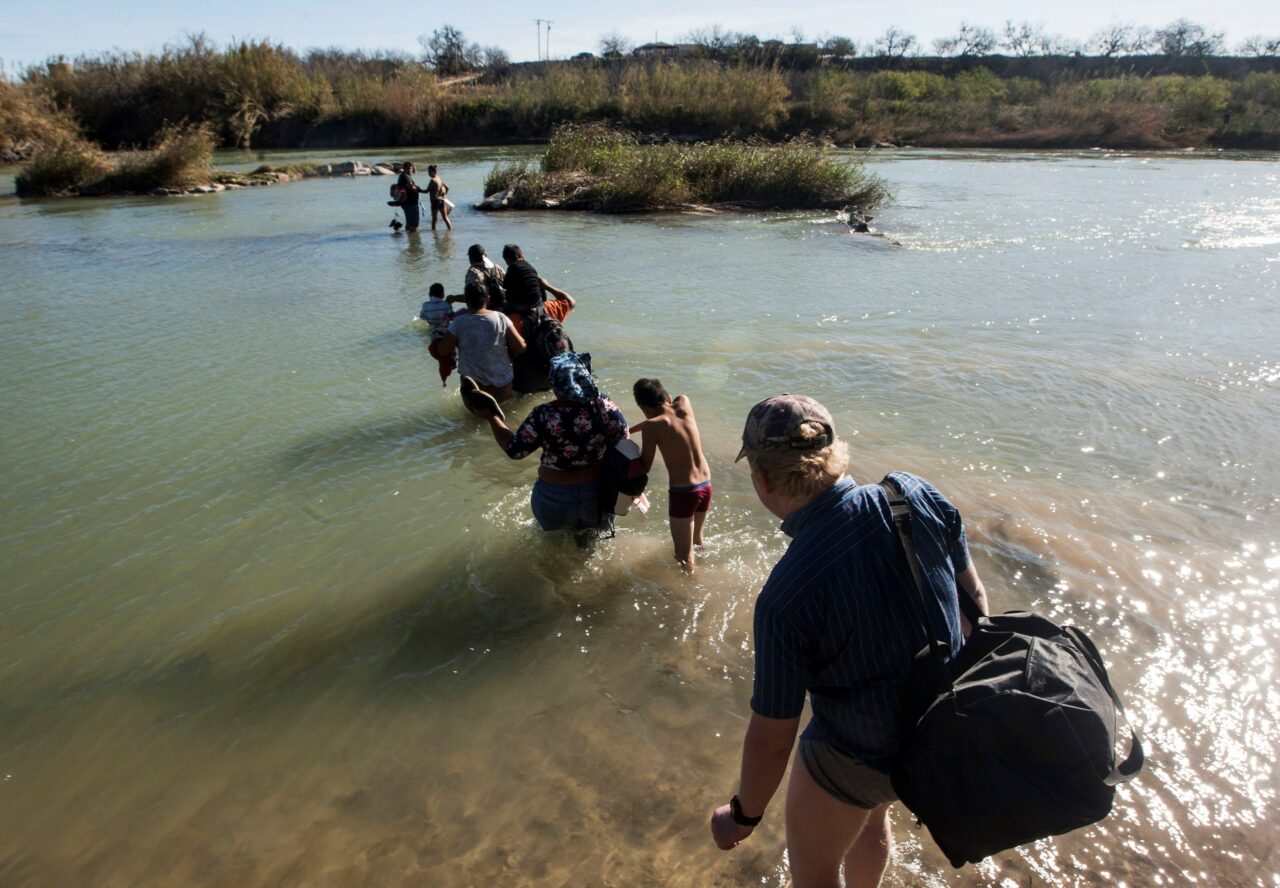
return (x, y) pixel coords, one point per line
(839, 616)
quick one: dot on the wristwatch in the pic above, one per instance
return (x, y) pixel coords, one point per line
(735, 811)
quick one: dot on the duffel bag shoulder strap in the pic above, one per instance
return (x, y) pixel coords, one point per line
(902, 521)
(1129, 768)
(901, 511)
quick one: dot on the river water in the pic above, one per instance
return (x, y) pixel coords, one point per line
(274, 611)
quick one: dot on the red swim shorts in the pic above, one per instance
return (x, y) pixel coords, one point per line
(687, 500)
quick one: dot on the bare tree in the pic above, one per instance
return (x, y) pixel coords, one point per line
(839, 47)
(1113, 40)
(895, 44)
(494, 57)
(713, 41)
(446, 51)
(1262, 47)
(1026, 39)
(1186, 38)
(970, 40)
(613, 45)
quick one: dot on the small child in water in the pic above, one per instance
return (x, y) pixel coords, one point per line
(438, 312)
(669, 427)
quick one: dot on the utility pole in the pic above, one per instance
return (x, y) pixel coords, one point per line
(540, 22)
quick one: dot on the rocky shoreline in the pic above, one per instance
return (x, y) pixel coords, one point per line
(267, 175)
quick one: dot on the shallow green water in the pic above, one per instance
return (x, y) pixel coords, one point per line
(274, 610)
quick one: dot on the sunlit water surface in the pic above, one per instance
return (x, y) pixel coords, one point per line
(274, 610)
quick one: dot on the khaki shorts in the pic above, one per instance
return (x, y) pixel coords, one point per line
(843, 777)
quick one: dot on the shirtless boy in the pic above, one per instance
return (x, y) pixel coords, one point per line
(669, 427)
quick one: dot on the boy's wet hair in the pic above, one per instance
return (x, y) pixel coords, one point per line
(511, 252)
(650, 393)
(436, 290)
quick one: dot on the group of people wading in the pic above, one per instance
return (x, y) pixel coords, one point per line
(406, 194)
(510, 338)
(832, 624)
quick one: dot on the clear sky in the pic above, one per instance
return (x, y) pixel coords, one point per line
(37, 31)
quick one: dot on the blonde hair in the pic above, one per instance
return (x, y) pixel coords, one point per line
(802, 472)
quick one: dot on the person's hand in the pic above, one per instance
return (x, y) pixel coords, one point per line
(726, 831)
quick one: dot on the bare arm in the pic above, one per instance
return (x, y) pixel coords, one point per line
(968, 582)
(765, 752)
(501, 433)
(515, 342)
(556, 292)
(648, 444)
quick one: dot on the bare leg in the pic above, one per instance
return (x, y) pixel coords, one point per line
(819, 832)
(869, 855)
(699, 519)
(444, 212)
(682, 536)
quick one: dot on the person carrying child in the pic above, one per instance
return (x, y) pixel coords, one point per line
(670, 428)
(407, 191)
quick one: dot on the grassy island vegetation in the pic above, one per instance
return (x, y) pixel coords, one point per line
(597, 167)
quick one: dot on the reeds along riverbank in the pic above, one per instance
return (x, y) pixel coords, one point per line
(259, 94)
(182, 155)
(596, 167)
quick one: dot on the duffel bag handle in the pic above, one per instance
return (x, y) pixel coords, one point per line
(1129, 768)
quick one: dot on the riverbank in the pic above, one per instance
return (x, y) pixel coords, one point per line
(262, 96)
(180, 163)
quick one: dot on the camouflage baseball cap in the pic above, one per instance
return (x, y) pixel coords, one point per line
(774, 424)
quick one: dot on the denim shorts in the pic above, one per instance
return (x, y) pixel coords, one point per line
(575, 506)
(843, 777)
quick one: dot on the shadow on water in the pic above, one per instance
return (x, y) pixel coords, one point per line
(371, 441)
(459, 602)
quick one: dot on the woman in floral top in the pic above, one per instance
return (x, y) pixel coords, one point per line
(575, 431)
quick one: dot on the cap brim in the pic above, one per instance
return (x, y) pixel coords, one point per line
(741, 454)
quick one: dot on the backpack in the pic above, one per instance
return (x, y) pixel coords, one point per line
(1012, 740)
(545, 336)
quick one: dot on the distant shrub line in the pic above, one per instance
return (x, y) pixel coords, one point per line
(262, 95)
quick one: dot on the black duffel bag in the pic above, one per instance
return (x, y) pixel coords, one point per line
(1012, 740)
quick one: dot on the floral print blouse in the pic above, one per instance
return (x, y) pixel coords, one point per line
(572, 434)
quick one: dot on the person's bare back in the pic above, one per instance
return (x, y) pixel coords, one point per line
(675, 432)
(670, 429)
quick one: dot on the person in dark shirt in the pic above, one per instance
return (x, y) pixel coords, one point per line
(409, 192)
(526, 289)
(837, 623)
